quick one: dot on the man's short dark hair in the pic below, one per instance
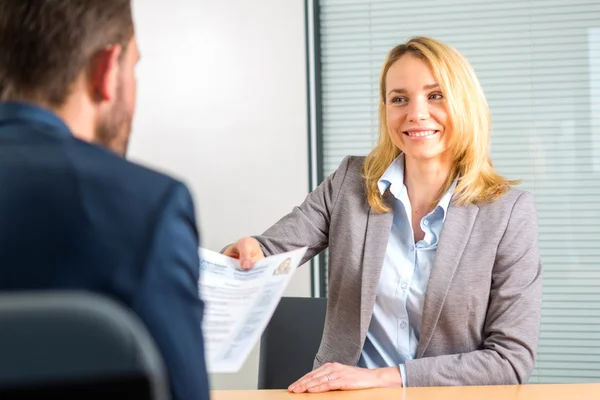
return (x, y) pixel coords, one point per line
(46, 44)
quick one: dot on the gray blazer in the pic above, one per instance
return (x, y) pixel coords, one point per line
(482, 306)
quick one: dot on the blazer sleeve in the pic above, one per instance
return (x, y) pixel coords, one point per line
(512, 322)
(168, 300)
(307, 224)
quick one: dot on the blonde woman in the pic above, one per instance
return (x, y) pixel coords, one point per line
(434, 271)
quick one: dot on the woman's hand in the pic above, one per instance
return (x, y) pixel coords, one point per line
(335, 376)
(247, 250)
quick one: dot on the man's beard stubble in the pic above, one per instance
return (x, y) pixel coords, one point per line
(114, 128)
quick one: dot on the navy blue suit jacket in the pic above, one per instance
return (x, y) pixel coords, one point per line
(75, 216)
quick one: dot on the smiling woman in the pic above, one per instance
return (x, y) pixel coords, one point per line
(434, 271)
(417, 113)
(428, 90)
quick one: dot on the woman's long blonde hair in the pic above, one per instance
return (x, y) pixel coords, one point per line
(469, 123)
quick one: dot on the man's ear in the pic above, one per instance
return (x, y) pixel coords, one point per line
(105, 73)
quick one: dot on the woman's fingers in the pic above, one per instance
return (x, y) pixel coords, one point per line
(247, 250)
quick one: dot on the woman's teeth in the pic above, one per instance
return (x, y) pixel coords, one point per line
(421, 133)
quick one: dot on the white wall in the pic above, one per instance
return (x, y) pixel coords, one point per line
(222, 105)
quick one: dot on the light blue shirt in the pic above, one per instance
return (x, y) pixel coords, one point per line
(395, 328)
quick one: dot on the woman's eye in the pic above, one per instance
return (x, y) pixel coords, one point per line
(436, 96)
(399, 100)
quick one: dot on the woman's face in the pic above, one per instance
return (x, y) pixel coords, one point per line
(416, 110)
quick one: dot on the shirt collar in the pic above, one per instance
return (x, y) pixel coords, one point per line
(16, 111)
(393, 178)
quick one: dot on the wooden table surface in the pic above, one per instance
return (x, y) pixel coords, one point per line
(518, 392)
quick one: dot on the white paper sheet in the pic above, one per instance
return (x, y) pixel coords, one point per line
(239, 303)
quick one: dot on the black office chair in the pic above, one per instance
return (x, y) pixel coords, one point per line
(75, 345)
(290, 342)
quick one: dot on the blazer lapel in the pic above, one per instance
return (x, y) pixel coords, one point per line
(376, 240)
(455, 234)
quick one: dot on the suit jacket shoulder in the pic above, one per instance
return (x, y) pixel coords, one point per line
(109, 171)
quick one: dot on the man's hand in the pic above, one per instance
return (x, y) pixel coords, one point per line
(335, 376)
(247, 250)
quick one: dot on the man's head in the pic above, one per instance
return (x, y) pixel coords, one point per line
(76, 57)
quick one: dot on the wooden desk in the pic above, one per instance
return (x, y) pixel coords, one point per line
(518, 392)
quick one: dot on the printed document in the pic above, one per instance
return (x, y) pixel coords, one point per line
(239, 303)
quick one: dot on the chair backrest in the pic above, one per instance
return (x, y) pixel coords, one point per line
(75, 345)
(290, 342)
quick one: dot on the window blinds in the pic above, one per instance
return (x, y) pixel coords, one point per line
(539, 65)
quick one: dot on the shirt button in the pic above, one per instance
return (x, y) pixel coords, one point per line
(404, 285)
(403, 325)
